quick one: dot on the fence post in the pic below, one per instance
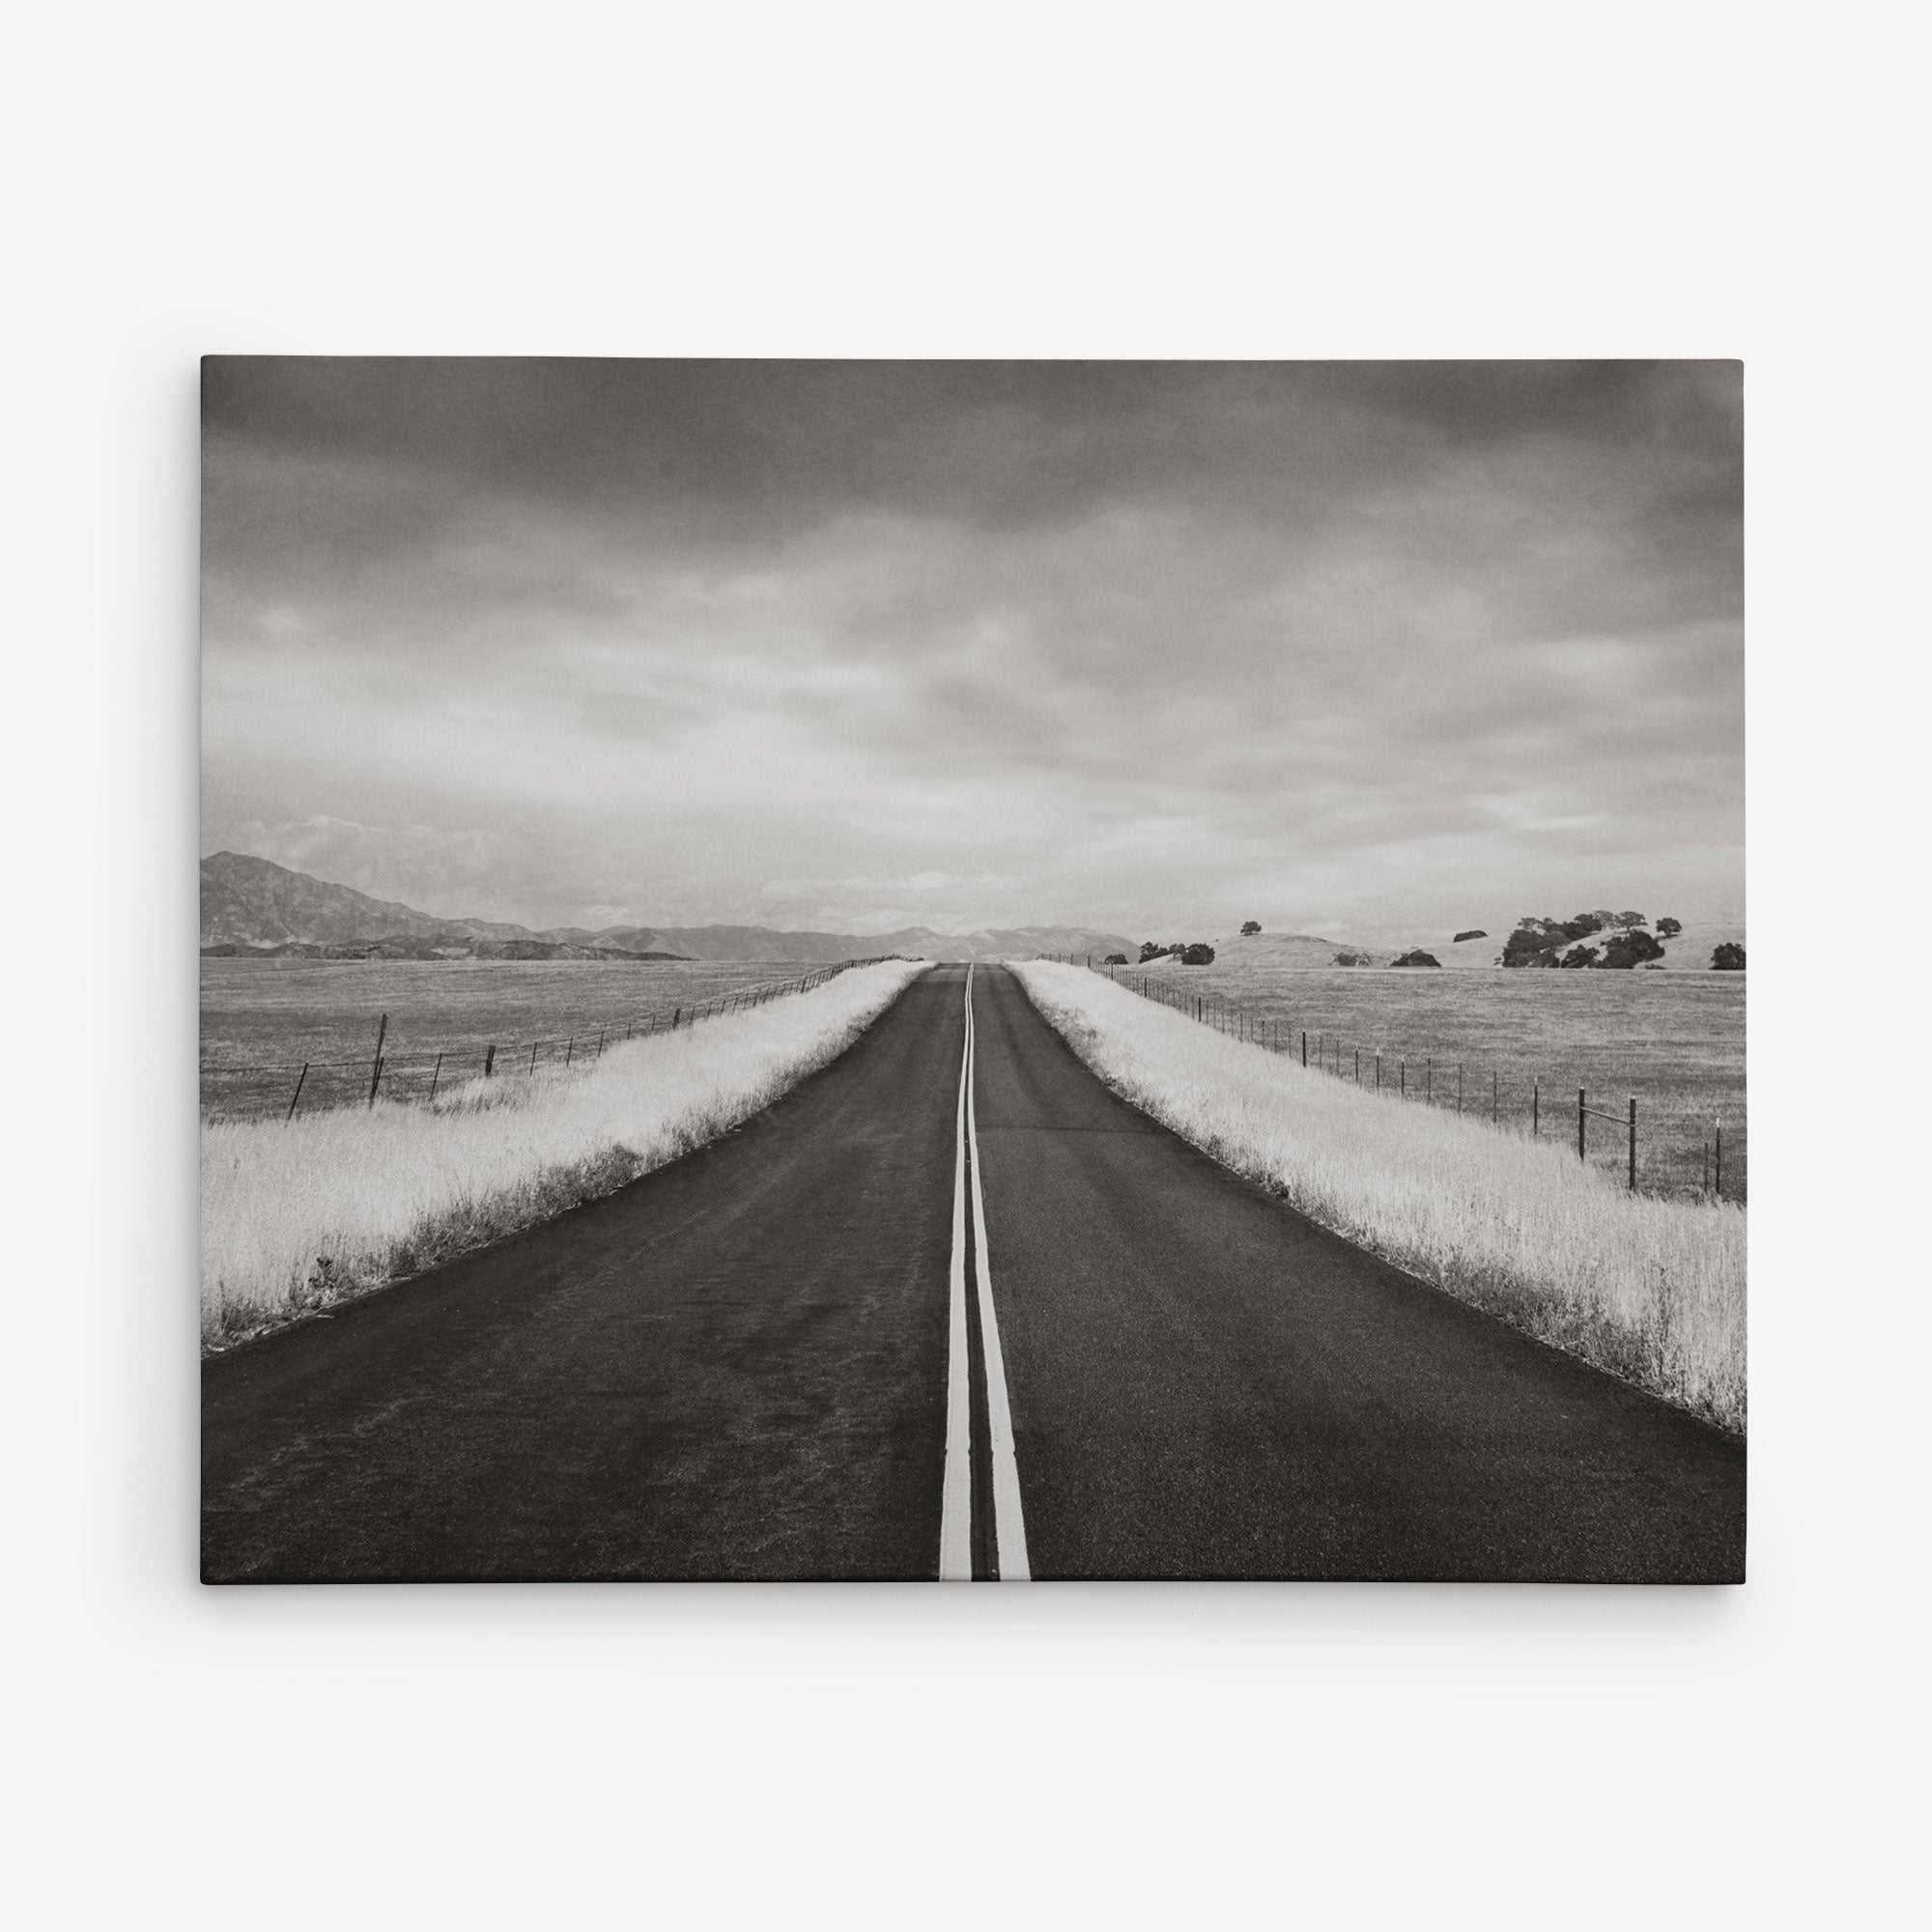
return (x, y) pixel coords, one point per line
(534, 1044)
(1535, 1106)
(569, 1047)
(1304, 1046)
(490, 1061)
(296, 1096)
(1358, 1067)
(1496, 1098)
(600, 1042)
(1581, 1152)
(1379, 1073)
(1428, 1079)
(1402, 1066)
(1719, 1189)
(1458, 1089)
(435, 1075)
(676, 1015)
(1632, 1159)
(376, 1070)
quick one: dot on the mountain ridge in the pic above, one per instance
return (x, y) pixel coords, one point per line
(253, 907)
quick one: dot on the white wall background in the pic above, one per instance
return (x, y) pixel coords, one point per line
(1683, 180)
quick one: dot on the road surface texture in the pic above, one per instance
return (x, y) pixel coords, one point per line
(742, 1366)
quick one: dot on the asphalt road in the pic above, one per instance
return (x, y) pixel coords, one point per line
(741, 1367)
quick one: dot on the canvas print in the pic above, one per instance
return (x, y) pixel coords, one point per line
(972, 971)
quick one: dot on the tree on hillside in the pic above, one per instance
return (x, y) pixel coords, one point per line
(1631, 948)
(1579, 956)
(1116, 959)
(1625, 919)
(1417, 959)
(1533, 943)
(1252, 926)
(1729, 957)
(1474, 933)
(1149, 951)
(1670, 928)
(1196, 955)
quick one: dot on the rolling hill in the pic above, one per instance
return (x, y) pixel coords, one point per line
(1689, 950)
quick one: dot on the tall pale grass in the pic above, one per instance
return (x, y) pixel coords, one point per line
(296, 1215)
(1652, 1291)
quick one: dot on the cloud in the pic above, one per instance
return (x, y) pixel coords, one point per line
(990, 645)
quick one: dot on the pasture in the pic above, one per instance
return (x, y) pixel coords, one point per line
(262, 1019)
(1674, 1040)
(294, 1217)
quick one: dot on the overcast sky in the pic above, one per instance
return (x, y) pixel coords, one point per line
(1361, 649)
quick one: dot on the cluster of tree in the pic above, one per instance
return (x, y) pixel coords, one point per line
(1190, 952)
(1543, 942)
(1116, 959)
(1474, 933)
(1354, 958)
(1250, 929)
(1729, 957)
(1419, 958)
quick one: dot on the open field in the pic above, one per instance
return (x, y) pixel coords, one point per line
(277, 1013)
(1651, 1290)
(1674, 1040)
(300, 1214)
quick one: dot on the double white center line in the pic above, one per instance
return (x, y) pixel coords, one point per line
(956, 1514)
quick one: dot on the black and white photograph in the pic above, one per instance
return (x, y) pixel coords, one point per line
(975, 971)
(1118, 806)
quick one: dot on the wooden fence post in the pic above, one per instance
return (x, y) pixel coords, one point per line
(490, 1061)
(376, 1070)
(1496, 1098)
(435, 1075)
(1535, 1107)
(1632, 1148)
(1719, 1146)
(1304, 1046)
(296, 1096)
(1582, 1152)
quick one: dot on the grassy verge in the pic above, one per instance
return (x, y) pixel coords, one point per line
(298, 1215)
(1652, 1291)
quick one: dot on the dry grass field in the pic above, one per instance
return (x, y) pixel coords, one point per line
(1674, 1040)
(296, 1215)
(1651, 1290)
(277, 1013)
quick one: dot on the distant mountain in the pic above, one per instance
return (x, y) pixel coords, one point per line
(252, 907)
(921, 941)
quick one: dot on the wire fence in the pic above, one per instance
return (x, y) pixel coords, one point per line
(1432, 1080)
(420, 1073)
